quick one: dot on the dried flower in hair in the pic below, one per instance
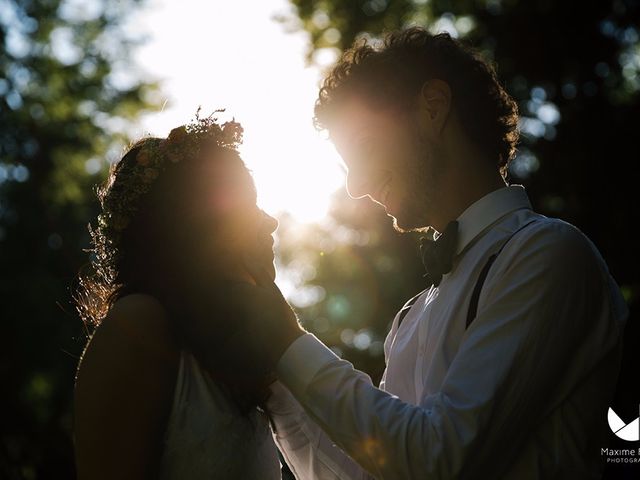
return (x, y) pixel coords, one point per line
(173, 156)
(143, 158)
(150, 174)
(177, 135)
(129, 182)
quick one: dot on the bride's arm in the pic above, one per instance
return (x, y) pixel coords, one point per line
(124, 392)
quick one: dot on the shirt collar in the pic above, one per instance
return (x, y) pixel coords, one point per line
(486, 211)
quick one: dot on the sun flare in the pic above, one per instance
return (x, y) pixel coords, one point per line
(207, 61)
(297, 179)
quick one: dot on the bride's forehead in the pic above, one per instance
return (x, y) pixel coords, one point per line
(223, 170)
(229, 188)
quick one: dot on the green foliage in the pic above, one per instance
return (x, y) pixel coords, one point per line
(352, 272)
(68, 97)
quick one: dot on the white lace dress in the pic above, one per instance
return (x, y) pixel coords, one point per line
(206, 436)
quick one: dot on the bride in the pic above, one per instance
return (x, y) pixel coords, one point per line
(178, 219)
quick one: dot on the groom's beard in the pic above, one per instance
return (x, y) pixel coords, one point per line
(422, 186)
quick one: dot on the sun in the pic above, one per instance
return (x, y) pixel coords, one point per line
(264, 85)
(298, 178)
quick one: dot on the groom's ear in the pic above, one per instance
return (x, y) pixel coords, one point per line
(434, 104)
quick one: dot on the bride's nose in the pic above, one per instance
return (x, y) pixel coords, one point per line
(269, 223)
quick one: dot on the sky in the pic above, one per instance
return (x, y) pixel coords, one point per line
(234, 55)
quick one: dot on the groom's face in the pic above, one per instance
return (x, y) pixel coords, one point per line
(390, 160)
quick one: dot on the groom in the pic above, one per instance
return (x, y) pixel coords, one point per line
(505, 365)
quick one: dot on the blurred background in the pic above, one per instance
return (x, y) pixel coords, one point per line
(80, 79)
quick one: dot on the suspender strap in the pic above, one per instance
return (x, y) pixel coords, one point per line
(475, 296)
(473, 304)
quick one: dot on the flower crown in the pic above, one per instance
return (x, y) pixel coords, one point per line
(183, 143)
(131, 179)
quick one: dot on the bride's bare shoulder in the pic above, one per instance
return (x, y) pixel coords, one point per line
(141, 305)
(124, 389)
(138, 317)
(137, 328)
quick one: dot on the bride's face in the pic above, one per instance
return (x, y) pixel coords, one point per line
(263, 253)
(254, 244)
(241, 231)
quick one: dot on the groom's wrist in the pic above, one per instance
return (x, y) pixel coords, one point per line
(284, 341)
(300, 363)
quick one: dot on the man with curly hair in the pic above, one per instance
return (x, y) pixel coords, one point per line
(505, 365)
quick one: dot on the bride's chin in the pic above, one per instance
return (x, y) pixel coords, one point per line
(271, 271)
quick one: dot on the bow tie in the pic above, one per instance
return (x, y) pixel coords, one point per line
(437, 255)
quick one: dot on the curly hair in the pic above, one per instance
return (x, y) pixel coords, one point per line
(164, 205)
(141, 202)
(393, 74)
(100, 283)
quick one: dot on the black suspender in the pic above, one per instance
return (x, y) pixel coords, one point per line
(475, 296)
(477, 289)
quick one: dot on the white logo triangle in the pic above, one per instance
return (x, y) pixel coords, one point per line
(629, 431)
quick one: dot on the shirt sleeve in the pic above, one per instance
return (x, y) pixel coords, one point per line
(545, 307)
(308, 451)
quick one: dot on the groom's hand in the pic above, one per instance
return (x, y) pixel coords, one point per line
(270, 325)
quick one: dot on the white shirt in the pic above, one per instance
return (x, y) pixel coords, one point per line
(521, 394)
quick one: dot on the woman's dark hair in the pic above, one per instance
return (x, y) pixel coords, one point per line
(393, 75)
(156, 216)
(149, 204)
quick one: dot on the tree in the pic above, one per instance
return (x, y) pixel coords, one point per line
(67, 99)
(574, 69)
(352, 272)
